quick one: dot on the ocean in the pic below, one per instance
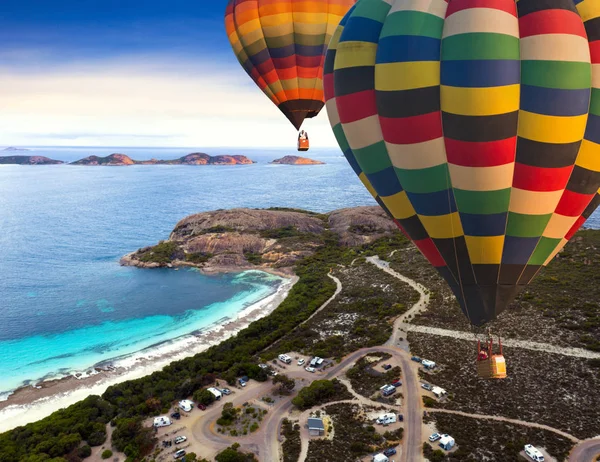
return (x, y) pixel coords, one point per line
(66, 303)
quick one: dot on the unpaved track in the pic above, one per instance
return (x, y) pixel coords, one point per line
(400, 323)
(586, 451)
(506, 419)
(527, 345)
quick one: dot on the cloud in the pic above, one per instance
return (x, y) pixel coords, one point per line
(170, 100)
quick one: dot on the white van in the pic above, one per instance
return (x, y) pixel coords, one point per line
(533, 453)
(386, 419)
(285, 358)
(162, 421)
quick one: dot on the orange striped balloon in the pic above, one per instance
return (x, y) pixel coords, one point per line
(281, 44)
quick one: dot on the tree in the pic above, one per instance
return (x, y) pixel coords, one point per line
(203, 396)
(231, 454)
(84, 451)
(286, 385)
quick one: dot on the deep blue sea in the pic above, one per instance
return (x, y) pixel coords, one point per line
(65, 302)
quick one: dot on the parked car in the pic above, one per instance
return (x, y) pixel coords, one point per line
(179, 439)
(389, 452)
(179, 454)
(309, 369)
(436, 436)
(176, 415)
(396, 383)
(242, 383)
(387, 367)
(263, 366)
(416, 359)
(400, 417)
(301, 362)
(426, 386)
(226, 391)
(202, 407)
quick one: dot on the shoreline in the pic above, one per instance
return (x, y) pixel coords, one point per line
(34, 402)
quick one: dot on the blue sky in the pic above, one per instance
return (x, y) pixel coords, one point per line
(130, 73)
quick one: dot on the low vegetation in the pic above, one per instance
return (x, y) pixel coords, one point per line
(561, 306)
(240, 421)
(360, 316)
(354, 437)
(479, 440)
(163, 253)
(320, 392)
(291, 446)
(366, 380)
(233, 454)
(541, 387)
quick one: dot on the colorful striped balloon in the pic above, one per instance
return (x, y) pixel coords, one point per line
(477, 124)
(281, 44)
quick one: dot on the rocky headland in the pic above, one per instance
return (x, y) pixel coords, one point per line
(196, 158)
(297, 160)
(28, 160)
(270, 240)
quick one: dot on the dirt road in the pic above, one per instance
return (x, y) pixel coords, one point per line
(586, 451)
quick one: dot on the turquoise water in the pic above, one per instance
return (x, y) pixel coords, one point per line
(66, 304)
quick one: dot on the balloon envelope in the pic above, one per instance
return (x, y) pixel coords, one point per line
(477, 124)
(281, 44)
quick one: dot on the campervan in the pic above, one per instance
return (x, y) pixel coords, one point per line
(428, 364)
(216, 392)
(387, 390)
(386, 419)
(162, 421)
(534, 453)
(285, 358)
(186, 405)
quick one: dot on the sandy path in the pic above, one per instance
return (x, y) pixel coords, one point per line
(527, 345)
(505, 419)
(586, 451)
(422, 304)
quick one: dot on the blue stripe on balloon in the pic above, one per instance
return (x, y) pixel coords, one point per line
(433, 204)
(360, 29)
(554, 101)
(517, 250)
(480, 73)
(385, 182)
(592, 130)
(483, 225)
(408, 48)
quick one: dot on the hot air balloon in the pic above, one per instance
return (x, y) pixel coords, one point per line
(281, 44)
(477, 124)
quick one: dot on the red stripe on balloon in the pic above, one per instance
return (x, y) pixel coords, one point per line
(541, 179)
(481, 154)
(356, 106)
(409, 130)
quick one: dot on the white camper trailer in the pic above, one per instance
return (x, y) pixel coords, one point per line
(186, 405)
(162, 421)
(217, 393)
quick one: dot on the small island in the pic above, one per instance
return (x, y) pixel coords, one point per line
(12, 149)
(28, 160)
(196, 158)
(297, 160)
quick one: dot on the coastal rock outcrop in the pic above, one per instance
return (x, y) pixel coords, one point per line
(297, 160)
(196, 158)
(112, 160)
(274, 239)
(28, 160)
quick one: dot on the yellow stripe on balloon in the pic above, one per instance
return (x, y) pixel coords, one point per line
(480, 101)
(589, 156)
(406, 76)
(353, 54)
(442, 226)
(399, 205)
(551, 129)
(485, 250)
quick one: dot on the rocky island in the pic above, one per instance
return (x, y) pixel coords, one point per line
(297, 160)
(196, 158)
(272, 240)
(12, 149)
(28, 160)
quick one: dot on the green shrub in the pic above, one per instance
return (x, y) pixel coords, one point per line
(106, 454)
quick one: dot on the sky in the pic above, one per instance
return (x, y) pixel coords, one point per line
(131, 73)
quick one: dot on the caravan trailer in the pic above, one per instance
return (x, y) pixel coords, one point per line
(162, 421)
